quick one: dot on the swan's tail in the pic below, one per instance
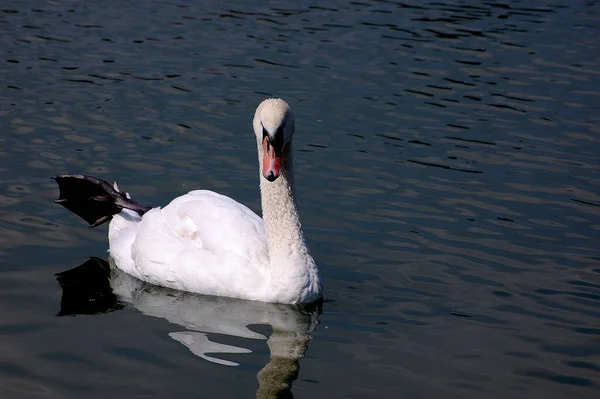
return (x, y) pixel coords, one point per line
(94, 200)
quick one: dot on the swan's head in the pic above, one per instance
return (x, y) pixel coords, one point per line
(274, 126)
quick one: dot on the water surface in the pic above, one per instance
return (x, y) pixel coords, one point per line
(447, 173)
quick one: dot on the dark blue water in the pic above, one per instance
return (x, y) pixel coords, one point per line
(448, 176)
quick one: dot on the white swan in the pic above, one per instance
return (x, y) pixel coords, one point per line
(207, 243)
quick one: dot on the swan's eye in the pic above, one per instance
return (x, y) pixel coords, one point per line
(279, 132)
(273, 142)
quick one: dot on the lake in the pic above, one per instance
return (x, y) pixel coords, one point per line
(448, 179)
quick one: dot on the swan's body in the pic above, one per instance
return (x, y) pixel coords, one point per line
(207, 243)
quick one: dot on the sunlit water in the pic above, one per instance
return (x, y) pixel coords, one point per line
(448, 178)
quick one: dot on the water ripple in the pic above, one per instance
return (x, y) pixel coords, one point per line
(447, 180)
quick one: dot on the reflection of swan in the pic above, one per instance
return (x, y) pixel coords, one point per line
(205, 242)
(95, 287)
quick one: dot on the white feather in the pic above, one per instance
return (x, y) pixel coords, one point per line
(207, 243)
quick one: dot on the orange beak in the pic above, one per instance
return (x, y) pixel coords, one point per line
(271, 168)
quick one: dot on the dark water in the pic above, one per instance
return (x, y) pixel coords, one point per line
(448, 177)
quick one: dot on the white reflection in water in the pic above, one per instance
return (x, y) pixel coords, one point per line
(200, 316)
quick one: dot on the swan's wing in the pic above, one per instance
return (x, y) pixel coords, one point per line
(202, 242)
(217, 223)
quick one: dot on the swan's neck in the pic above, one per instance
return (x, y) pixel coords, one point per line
(289, 256)
(280, 213)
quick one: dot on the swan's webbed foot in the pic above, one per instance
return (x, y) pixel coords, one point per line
(94, 200)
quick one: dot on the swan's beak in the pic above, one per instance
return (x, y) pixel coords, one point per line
(271, 168)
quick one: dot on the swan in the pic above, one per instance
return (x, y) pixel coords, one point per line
(207, 243)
